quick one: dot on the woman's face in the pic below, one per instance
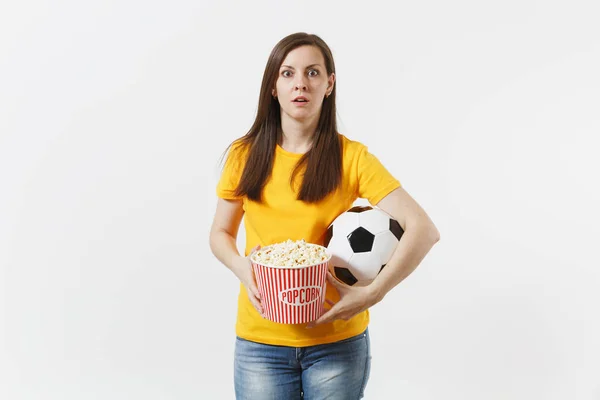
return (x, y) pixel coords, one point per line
(303, 73)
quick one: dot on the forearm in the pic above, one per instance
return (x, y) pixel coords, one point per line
(412, 249)
(224, 247)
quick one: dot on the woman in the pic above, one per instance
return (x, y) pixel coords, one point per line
(289, 177)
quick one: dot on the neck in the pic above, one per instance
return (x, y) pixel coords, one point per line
(297, 135)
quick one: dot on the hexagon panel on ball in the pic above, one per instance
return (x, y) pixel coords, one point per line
(343, 224)
(365, 267)
(375, 220)
(384, 245)
(339, 247)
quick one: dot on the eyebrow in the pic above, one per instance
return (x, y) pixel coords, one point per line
(308, 66)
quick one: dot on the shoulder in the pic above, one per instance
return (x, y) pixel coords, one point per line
(351, 145)
(237, 151)
(233, 159)
(352, 148)
(238, 147)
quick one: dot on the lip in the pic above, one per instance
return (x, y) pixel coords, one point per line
(300, 97)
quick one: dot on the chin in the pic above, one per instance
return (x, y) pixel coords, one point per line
(299, 114)
(303, 113)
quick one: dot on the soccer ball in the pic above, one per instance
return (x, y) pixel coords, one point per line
(361, 241)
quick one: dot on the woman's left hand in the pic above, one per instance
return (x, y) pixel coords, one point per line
(353, 300)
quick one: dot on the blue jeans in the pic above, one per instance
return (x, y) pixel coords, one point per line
(331, 371)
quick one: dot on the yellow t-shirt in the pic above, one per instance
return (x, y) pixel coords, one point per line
(281, 217)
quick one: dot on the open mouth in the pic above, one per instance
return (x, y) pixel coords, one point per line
(300, 99)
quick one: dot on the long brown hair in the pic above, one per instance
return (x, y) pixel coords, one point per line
(323, 160)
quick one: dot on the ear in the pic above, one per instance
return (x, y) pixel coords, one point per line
(330, 82)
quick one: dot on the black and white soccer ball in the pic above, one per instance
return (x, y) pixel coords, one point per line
(361, 241)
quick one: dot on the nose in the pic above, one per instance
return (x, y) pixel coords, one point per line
(300, 84)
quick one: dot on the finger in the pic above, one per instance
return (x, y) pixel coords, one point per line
(328, 316)
(254, 290)
(323, 319)
(328, 305)
(255, 248)
(256, 304)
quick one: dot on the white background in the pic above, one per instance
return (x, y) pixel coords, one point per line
(113, 115)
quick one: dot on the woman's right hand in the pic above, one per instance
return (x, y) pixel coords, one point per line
(242, 268)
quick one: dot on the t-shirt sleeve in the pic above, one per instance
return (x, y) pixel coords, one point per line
(231, 174)
(374, 180)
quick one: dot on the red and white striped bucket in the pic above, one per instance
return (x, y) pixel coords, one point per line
(292, 295)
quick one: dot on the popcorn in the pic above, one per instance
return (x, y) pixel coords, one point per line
(290, 254)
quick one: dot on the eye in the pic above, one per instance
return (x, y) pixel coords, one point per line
(283, 73)
(313, 70)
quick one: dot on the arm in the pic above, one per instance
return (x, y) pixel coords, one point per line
(224, 230)
(419, 237)
(420, 234)
(223, 234)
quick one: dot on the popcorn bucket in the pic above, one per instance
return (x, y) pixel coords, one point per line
(292, 295)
